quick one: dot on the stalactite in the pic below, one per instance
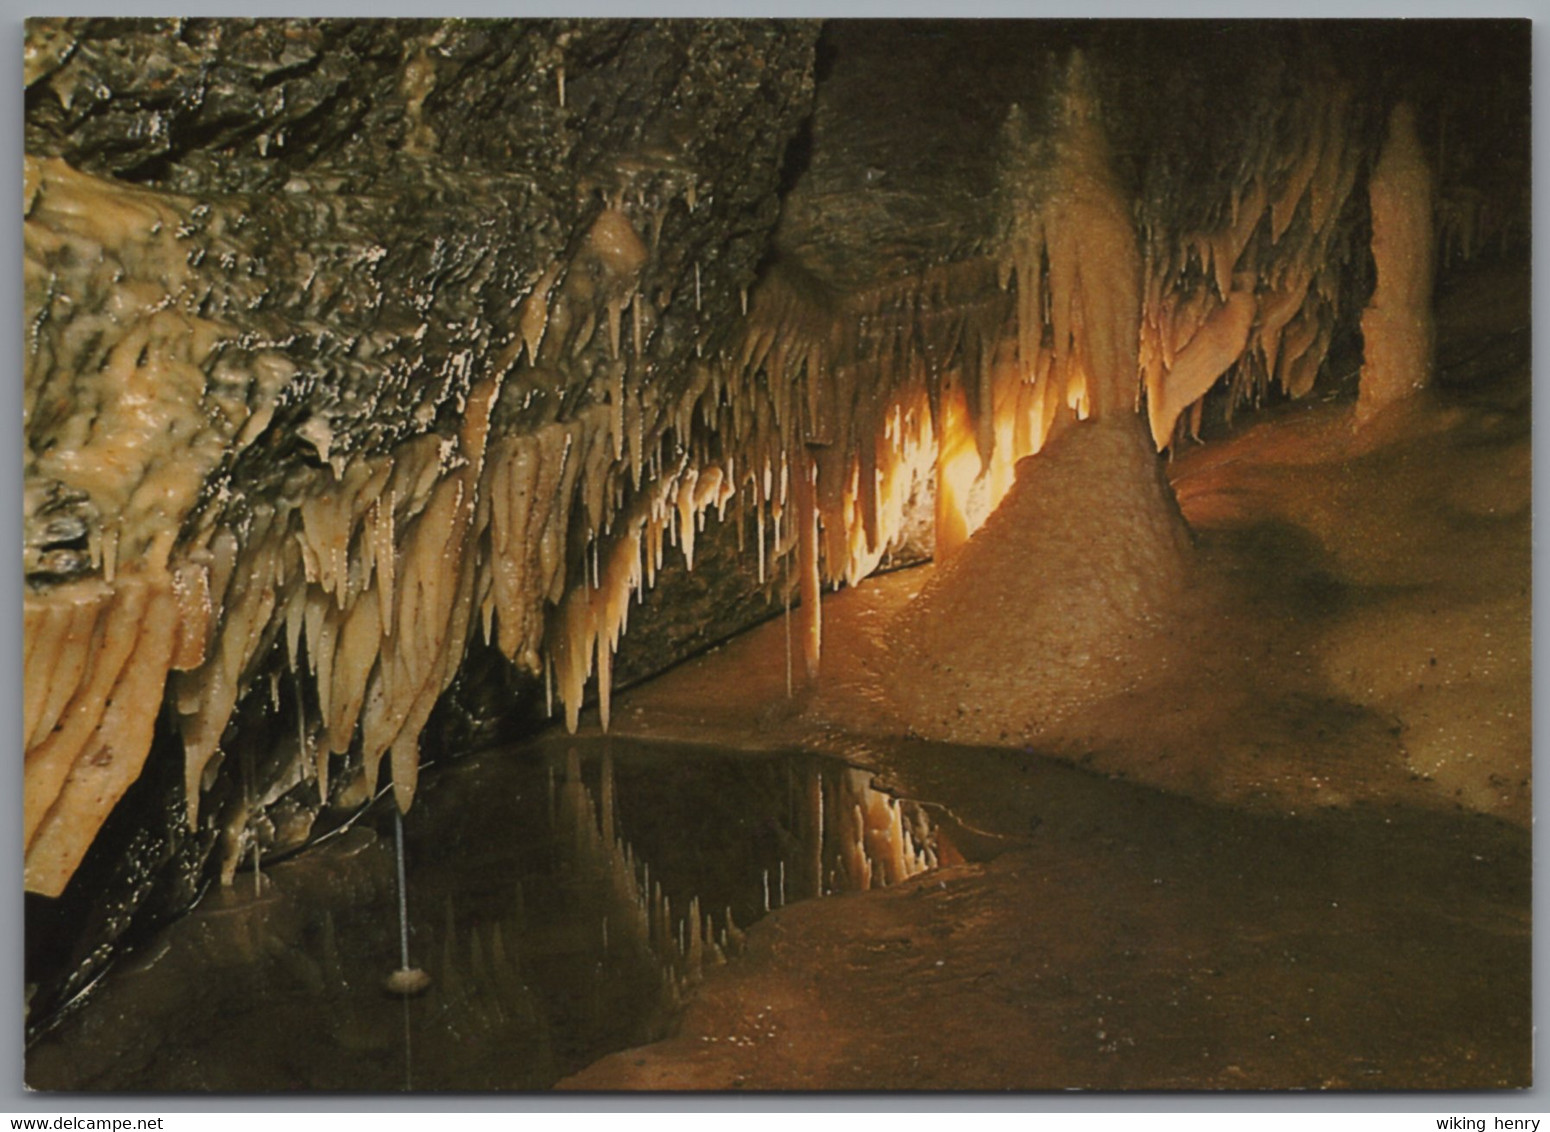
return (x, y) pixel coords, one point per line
(1250, 299)
(828, 412)
(95, 728)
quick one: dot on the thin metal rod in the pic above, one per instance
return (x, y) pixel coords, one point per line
(403, 895)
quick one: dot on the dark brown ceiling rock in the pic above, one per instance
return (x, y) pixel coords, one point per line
(295, 288)
(371, 365)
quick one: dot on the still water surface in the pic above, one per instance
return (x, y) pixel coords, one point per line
(562, 898)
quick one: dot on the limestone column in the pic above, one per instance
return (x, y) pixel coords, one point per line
(1397, 326)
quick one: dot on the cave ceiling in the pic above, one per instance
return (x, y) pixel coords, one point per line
(371, 365)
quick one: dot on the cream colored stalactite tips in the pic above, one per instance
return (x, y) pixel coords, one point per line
(1264, 312)
(97, 658)
(1210, 351)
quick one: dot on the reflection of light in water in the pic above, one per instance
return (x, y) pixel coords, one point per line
(871, 840)
(833, 833)
(563, 908)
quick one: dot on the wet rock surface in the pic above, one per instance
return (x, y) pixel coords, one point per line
(340, 325)
(302, 243)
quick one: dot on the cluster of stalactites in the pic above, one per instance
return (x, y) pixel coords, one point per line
(371, 572)
(827, 418)
(102, 654)
(952, 376)
(370, 579)
(1255, 297)
(376, 580)
(121, 428)
(822, 423)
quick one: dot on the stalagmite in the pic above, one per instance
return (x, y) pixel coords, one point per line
(543, 511)
(1397, 326)
(1072, 574)
(1091, 509)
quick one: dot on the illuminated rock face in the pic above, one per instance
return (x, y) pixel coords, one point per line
(375, 367)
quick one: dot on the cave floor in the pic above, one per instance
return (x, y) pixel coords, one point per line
(1138, 942)
(1296, 857)
(1295, 854)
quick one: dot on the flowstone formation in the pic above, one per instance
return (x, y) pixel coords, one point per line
(376, 369)
(347, 338)
(1075, 594)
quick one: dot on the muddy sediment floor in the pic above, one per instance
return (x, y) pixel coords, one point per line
(1292, 851)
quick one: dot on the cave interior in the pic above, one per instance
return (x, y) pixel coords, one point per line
(849, 554)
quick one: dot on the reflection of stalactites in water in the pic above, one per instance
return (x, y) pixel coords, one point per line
(606, 799)
(873, 839)
(822, 813)
(627, 924)
(562, 930)
(482, 994)
(333, 969)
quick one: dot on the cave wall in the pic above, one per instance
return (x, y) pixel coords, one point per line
(373, 367)
(274, 270)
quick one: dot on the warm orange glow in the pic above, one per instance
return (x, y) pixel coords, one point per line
(957, 476)
(1025, 409)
